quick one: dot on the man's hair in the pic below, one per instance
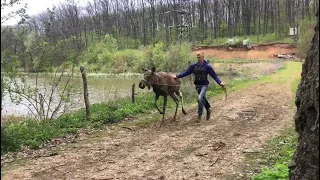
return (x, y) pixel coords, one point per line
(200, 53)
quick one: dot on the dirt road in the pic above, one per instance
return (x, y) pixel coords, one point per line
(213, 149)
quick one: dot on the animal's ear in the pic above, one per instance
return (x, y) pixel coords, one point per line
(144, 69)
(153, 69)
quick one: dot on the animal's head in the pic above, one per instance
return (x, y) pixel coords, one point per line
(143, 84)
(147, 75)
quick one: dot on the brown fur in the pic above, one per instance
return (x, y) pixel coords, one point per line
(163, 84)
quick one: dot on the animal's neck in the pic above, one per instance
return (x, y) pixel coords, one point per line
(153, 79)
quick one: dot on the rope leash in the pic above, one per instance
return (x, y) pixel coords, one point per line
(225, 92)
(223, 87)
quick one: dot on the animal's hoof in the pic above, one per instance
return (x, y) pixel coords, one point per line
(161, 112)
(184, 112)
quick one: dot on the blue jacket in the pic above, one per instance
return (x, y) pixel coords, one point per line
(207, 68)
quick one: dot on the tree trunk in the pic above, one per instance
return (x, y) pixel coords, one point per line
(308, 9)
(272, 17)
(85, 92)
(144, 25)
(259, 21)
(305, 163)
(265, 18)
(279, 19)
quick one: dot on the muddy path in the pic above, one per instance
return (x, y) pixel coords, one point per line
(213, 149)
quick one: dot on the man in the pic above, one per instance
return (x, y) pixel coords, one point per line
(201, 69)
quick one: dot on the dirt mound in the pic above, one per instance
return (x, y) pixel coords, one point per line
(259, 52)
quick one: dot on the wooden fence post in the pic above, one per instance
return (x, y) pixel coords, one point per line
(85, 91)
(133, 93)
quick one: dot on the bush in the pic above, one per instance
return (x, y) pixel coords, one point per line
(127, 60)
(174, 58)
(177, 58)
(101, 53)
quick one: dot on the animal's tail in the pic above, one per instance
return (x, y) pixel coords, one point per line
(181, 99)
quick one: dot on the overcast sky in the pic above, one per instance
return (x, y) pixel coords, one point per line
(34, 7)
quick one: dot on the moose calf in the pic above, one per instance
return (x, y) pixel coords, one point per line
(163, 84)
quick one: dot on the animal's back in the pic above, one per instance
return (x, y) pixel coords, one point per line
(165, 83)
(166, 77)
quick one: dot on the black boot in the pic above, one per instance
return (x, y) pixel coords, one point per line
(208, 114)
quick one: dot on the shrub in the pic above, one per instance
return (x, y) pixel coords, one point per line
(127, 60)
(101, 53)
(177, 57)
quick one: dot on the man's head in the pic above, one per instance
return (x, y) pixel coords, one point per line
(200, 57)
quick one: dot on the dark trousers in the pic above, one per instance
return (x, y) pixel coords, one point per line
(202, 100)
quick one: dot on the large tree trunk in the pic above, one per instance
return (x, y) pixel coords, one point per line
(305, 163)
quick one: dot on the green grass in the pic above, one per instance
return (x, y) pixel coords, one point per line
(33, 133)
(275, 158)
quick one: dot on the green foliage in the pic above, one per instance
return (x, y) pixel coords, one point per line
(174, 58)
(128, 43)
(305, 37)
(223, 31)
(278, 172)
(177, 57)
(101, 53)
(158, 54)
(30, 41)
(127, 60)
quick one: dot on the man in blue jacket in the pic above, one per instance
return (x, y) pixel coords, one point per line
(201, 69)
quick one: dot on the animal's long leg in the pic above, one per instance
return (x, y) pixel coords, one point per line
(176, 100)
(155, 103)
(165, 98)
(181, 99)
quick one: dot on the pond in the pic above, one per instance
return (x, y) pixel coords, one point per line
(101, 90)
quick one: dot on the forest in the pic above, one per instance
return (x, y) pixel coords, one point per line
(113, 33)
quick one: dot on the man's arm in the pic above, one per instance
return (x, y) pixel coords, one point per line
(186, 73)
(213, 74)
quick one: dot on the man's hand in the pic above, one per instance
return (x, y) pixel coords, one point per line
(221, 84)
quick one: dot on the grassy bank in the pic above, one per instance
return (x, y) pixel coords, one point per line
(34, 133)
